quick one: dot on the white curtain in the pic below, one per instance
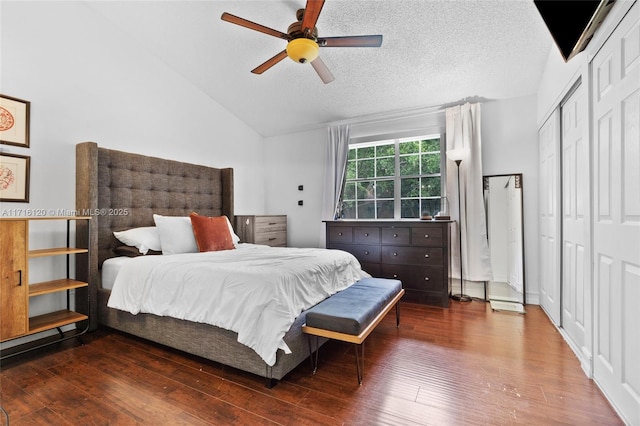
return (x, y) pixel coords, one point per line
(463, 132)
(335, 168)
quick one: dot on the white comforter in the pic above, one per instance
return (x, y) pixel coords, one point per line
(256, 291)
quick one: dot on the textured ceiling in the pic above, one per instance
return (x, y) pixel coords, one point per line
(434, 53)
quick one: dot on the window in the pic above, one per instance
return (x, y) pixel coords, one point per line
(393, 179)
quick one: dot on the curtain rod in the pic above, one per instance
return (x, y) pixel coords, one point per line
(404, 114)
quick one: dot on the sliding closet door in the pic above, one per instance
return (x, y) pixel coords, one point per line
(616, 216)
(549, 196)
(576, 268)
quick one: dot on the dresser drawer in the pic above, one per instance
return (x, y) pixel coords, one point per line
(340, 234)
(363, 252)
(427, 236)
(416, 277)
(396, 236)
(412, 255)
(366, 235)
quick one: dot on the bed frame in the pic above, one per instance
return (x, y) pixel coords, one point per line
(123, 190)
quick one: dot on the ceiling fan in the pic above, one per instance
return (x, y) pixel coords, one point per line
(303, 41)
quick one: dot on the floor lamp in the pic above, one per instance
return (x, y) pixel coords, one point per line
(457, 155)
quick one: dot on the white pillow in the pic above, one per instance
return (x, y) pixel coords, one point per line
(144, 239)
(176, 234)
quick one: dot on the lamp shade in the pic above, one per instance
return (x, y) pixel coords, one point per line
(302, 50)
(457, 154)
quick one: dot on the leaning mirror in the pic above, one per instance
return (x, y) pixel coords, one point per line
(505, 234)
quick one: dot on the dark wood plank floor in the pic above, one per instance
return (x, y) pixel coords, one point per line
(463, 365)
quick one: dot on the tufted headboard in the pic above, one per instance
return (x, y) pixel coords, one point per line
(122, 190)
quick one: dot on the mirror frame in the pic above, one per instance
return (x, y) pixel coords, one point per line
(519, 184)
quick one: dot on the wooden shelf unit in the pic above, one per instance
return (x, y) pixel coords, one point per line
(16, 290)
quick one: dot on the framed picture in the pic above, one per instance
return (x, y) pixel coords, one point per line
(14, 178)
(14, 121)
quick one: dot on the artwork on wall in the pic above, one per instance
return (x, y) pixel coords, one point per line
(14, 178)
(14, 121)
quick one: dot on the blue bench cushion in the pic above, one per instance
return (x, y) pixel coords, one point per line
(352, 309)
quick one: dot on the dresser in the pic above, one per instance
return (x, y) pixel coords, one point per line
(415, 252)
(269, 230)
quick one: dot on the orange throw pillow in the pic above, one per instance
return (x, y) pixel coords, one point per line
(211, 233)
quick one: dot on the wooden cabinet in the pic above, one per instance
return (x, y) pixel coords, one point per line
(269, 230)
(415, 252)
(16, 290)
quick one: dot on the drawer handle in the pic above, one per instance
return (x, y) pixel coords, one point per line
(426, 255)
(366, 252)
(426, 278)
(395, 235)
(395, 275)
(19, 277)
(366, 234)
(340, 234)
(395, 254)
(272, 238)
(426, 235)
(272, 223)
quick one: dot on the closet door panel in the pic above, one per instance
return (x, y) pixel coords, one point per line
(616, 218)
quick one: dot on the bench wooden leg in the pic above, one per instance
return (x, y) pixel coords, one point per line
(398, 314)
(313, 355)
(359, 361)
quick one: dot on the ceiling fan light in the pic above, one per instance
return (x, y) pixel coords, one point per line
(302, 50)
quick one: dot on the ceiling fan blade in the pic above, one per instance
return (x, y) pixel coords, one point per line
(269, 63)
(311, 13)
(351, 41)
(322, 70)
(253, 26)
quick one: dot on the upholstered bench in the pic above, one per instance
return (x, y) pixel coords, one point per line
(351, 315)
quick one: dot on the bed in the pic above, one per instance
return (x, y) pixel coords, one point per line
(122, 191)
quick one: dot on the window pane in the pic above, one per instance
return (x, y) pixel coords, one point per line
(431, 186)
(430, 206)
(385, 167)
(409, 165)
(410, 187)
(410, 208)
(410, 147)
(365, 190)
(366, 168)
(368, 152)
(366, 210)
(385, 209)
(351, 170)
(431, 145)
(384, 189)
(349, 210)
(385, 150)
(430, 164)
(349, 191)
(352, 154)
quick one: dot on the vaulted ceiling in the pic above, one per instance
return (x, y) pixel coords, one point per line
(433, 53)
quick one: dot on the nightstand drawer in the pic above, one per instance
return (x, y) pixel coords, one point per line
(270, 224)
(275, 239)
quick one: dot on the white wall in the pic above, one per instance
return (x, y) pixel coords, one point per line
(292, 160)
(510, 145)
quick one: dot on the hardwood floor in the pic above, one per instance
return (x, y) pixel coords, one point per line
(462, 365)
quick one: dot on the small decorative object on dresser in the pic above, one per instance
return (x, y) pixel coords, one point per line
(270, 230)
(17, 291)
(415, 252)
